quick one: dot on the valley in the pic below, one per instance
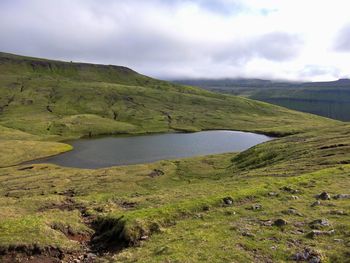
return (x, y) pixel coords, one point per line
(282, 200)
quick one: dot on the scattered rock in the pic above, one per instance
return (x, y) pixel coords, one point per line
(317, 203)
(291, 211)
(228, 200)
(156, 173)
(247, 234)
(324, 196)
(319, 223)
(308, 254)
(280, 222)
(298, 232)
(342, 196)
(290, 190)
(299, 224)
(266, 222)
(294, 197)
(315, 233)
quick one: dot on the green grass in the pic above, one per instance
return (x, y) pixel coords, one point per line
(180, 215)
(182, 211)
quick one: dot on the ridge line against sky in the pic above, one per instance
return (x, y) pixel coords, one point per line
(169, 39)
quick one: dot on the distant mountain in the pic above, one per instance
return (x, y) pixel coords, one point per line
(330, 98)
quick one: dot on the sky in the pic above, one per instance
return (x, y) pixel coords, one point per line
(171, 39)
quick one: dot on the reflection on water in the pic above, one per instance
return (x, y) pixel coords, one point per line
(111, 151)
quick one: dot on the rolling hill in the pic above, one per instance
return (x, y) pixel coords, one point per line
(265, 204)
(56, 101)
(329, 99)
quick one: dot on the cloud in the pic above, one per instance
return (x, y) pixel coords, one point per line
(182, 38)
(274, 46)
(317, 70)
(342, 43)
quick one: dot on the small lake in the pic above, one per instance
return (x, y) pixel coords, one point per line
(123, 150)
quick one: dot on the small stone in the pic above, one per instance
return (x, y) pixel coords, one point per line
(315, 233)
(342, 196)
(324, 196)
(294, 197)
(144, 237)
(228, 200)
(280, 222)
(319, 223)
(316, 203)
(308, 255)
(273, 194)
(290, 190)
(247, 234)
(299, 224)
(156, 173)
(266, 223)
(291, 211)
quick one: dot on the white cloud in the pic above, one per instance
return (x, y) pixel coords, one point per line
(186, 38)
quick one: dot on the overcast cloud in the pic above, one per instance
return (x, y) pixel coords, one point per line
(289, 39)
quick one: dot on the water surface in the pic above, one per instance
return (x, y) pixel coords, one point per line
(123, 150)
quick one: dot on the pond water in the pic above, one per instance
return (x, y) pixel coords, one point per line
(123, 150)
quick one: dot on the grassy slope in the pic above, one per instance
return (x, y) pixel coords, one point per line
(329, 99)
(184, 206)
(180, 214)
(331, 102)
(57, 100)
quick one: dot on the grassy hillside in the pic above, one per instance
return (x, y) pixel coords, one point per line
(256, 206)
(181, 215)
(52, 100)
(329, 99)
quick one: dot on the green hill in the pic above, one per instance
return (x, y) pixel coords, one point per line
(329, 99)
(64, 99)
(256, 206)
(54, 100)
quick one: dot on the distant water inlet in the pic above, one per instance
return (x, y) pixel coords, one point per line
(124, 150)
